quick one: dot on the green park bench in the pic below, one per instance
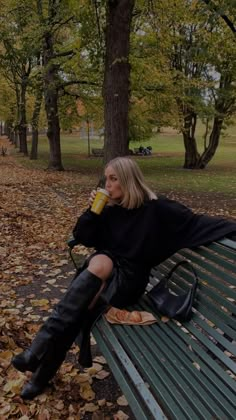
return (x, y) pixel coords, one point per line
(98, 152)
(183, 370)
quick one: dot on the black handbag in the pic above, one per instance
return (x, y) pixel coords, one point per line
(169, 304)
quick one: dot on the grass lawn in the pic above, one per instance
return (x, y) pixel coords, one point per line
(163, 170)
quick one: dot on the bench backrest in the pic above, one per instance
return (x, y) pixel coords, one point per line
(214, 305)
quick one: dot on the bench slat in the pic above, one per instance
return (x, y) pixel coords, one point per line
(223, 248)
(215, 271)
(225, 287)
(213, 289)
(182, 371)
(147, 350)
(183, 364)
(218, 259)
(134, 376)
(215, 303)
(228, 243)
(187, 336)
(184, 347)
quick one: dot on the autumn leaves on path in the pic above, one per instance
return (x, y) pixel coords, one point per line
(37, 213)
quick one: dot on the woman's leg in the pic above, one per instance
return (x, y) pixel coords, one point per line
(57, 334)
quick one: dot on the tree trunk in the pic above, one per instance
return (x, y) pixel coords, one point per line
(53, 131)
(7, 129)
(51, 104)
(223, 105)
(23, 139)
(16, 139)
(22, 125)
(34, 144)
(209, 152)
(191, 152)
(35, 120)
(12, 136)
(116, 78)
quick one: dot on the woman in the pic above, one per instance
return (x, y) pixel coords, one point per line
(134, 232)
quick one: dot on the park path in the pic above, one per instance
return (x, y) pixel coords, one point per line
(38, 210)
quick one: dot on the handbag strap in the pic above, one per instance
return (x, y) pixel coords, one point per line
(183, 262)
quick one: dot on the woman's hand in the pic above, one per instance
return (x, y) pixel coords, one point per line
(92, 197)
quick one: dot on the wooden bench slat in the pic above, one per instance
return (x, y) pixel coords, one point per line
(186, 357)
(209, 267)
(202, 296)
(187, 338)
(215, 334)
(213, 348)
(142, 347)
(187, 370)
(131, 371)
(186, 384)
(154, 377)
(218, 259)
(184, 342)
(189, 341)
(213, 287)
(120, 375)
(216, 322)
(203, 268)
(222, 393)
(228, 243)
(226, 250)
(190, 376)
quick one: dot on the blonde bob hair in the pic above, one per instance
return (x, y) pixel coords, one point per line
(132, 182)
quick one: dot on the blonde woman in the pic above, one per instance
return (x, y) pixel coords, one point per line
(134, 232)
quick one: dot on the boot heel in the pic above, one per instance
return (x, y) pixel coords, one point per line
(32, 390)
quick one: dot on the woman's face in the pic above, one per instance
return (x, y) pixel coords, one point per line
(112, 184)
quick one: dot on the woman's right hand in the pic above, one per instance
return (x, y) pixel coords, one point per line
(92, 197)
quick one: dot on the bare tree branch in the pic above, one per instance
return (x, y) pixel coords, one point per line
(77, 82)
(64, 54)
(216, 9)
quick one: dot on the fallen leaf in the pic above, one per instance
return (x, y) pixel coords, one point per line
(197, 366)
(120, 415)
(122, 401)
(59, 405)
(52, 281)
(89, 407)
(165, 319)
(39, 302)
(102, 374)
(100, 359)
(86, 391)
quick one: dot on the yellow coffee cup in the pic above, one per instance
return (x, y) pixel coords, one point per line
(101, 198)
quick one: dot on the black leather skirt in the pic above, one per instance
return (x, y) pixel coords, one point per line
(127, 282)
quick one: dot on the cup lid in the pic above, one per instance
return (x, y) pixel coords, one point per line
(104, 191)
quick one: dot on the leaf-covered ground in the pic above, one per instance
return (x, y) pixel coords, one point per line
(37, 212)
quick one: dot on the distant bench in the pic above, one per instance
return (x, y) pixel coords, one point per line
(172, 370)
(98, 152)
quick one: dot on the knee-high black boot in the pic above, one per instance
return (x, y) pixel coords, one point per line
(57, 334)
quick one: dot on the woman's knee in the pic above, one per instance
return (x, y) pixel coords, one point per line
(101, 265)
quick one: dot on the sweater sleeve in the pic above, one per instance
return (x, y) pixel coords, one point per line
(175, 216)
(184, 228)
(87, 230)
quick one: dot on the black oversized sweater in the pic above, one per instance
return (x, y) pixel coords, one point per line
(151, 233)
